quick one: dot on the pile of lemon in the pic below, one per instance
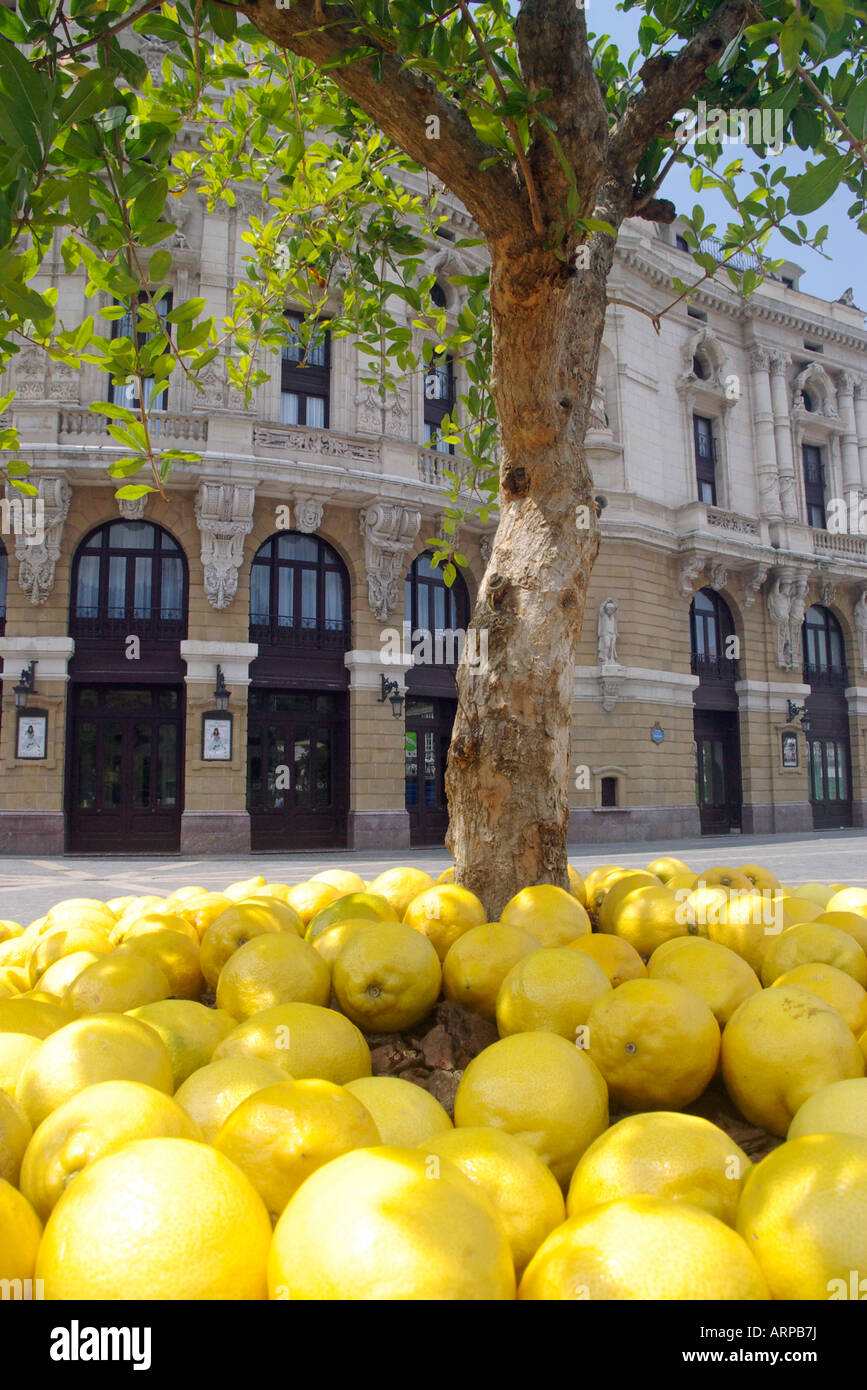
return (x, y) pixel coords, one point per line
(187, 1109)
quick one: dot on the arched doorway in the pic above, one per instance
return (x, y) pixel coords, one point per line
(435, 619)
(297, 721)
(828, 747)
(125, 761)
(713, 658)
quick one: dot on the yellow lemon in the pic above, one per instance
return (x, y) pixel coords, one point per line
(478, 962)
(840, 1108)
(801, 909)
(803, 1213)
(30, 1016)
(747, 923)
(238, 890)
(387, 977)
(666, 867)
(717, 975)
(91, 1124)
(13, 981)
(834, 986)
(330, 942)
(282, 1134)
(231, 930)
(272, 969)
(16, 1049)
(151, 922)
(850, 922)
(279, 890)
(663, 1154)
(181, 895)
(699, 906)
(549, 913)
(540, 1088)
(819, 893)
(89, 910)
(287, 918)
(120, 905)
(176, 955)
(646, 917)
(602, 885)
(373, 1225)
(159, 1219)
(15, 1134)
(116, 983)
(779, 1047)
(618, 959)
(724, 877)
(309, 898)
(576, 885)
(20, 1233)
(55, 979)
(9, 929)
(550, 991)
(342, 879)
(65, 941)
(643, 1248)
(681, 882)
(620, 889)
(595, 877)
(304, 1039)
(760, 878)
(443, 915)
(656, 1044)
(521, 1188)
(405, 1114)
(189, 1031)
(809, 942)
(351, 907)
(211, 1093)
(99, 1047)
(848, 900)
(202, 911)
(447, 875)
(400, 886)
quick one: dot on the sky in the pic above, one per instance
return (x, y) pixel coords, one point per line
(845, 245)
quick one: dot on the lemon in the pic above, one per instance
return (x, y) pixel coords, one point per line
(238, 890)
(13, 981)
(820, 893)
(20, 1232)
(549, 913)
(666, 868)
(330, 942)
(351, 907)
(304, 1039)
(16, 1049)
(200, 912)
(595, 877)
(656, 1044)
(803, 1214)
(211, 1093)
(64, 941)
(116, 983)
(375, 1225)
(801, 909)
(447, 875)
(717, 975)
(309, 898)
(131, 928)
(806, 943)
(89, 910)
(645, 917)
(55, 979)
(840, 1108)
(233, 929)
(9, 929)
(576, 885)
(643, 1248)
(119, 905)
(99, 1047)
(270, 970)
(682, 882)
(550, 991)
(175, 954)
(387, 977)
(180, 895)
(747, 923)
(91, 1124)
(726, 878)
(699, 906)
(189, 1031)
(618, 959)
(400, 886)
(850, 922)
(282, 1134)
(834, 986)
(540, 1088)
(781, 1046)
(620, 889)
(478, 962)
(602, 884)
(663, 1154)
(848, 900)
(405, 1114)
(523, 1191)
(280, 890)
(759, 877)
(157, 1219)
(15, 1133)
(342, 879)
(33, 1017)
(287, 918)
(443, 915)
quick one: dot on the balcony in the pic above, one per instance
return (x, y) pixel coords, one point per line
(839, 543)
(306, 636)
(432, 466)
(826, 677)
(168, 624)
(741, 260)
(714, 670)
(164, 424)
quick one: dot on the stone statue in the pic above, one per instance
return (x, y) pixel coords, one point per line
(779, 608)
(861, 627)
(606, 631)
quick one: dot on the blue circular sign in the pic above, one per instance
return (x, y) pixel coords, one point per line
(657, 734)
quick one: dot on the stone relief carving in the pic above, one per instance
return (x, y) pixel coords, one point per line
(817, 381)
(779, 608)
(389, 531)
(760, 358)
(827, 590)
(718, 576)
(398, 415)
(754, 578)
(797, 609)
(308, 514)
(224, 515)
(688, 572)
(322, 442)
(606, 631)
(860, 613)
(31, 370)
(485, 544)
(36, 563)
(598, 414)
(609, 686)
(132, 509)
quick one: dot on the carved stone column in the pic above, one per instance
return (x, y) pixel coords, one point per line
(861, 426)
(780, 363)
(37, 559)
(389, 531)
(224, 514)
(849, 438)
(763, 421)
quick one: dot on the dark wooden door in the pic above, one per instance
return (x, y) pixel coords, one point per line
(297, 769)
(125, 774)
(718, 789)
(428, 735)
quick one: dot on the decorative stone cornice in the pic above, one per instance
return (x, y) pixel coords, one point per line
(224, 515)
(37, 562)
(389, 532)
(754, 578)
(688, 571)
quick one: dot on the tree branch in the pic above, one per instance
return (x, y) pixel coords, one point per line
(401, 103)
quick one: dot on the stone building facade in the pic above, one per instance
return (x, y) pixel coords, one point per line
(726, 597)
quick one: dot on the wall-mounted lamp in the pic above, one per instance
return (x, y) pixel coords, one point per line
(794, 710)
(26, 686)
(221, 694)
(391, 691)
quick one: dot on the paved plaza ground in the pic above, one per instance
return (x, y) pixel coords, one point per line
(29, 887)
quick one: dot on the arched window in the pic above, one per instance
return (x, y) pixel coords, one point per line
(710, 627)
(299, 594)
(438, 295)
(129, 577)
(431, 607)
(699, 369)
(824, 652)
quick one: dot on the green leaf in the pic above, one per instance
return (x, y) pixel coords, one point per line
(856, 111)
(124, 468)
(132, 491)
(86, 97)
(187, 311)
(113, 412)
(11, 27)
(160, 265)
(811, 190)
(146, 208)
(25, 302)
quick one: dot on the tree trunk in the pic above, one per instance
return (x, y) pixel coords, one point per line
(508, 773)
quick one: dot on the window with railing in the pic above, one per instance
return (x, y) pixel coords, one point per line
(305, 378)
(129, 577)
(711, 630)
(439, 400)
(705, 459)
(823, 650)
(431, 607)
(129, 325)
(299, 594)
(814, 487)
